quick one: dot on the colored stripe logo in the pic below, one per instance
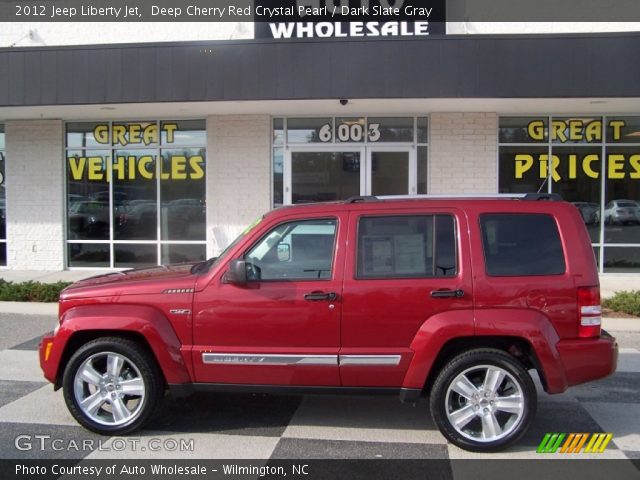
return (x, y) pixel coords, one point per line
(574, 443)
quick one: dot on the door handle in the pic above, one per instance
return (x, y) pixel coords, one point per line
(447, 293)
(319, 296)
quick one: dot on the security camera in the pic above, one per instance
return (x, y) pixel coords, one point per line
(343, 101)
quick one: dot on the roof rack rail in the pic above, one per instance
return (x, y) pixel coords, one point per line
(362, 199)
(554, 197)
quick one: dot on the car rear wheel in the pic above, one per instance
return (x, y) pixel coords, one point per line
(483, 400)
(112, 385)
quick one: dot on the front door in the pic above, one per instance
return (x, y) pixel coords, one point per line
(313, 174)
(323, 175)
(283, 326)
(391, 171)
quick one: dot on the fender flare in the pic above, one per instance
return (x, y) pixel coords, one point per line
(146, 321)
(534, 327)
(531, 326)
(432, 335)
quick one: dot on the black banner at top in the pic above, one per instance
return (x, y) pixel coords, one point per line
(335, 11)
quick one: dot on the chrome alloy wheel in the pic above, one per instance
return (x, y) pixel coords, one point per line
(484, 403)
(109, 389)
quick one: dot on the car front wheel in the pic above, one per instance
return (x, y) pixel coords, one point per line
(112, 385)
(483, 400)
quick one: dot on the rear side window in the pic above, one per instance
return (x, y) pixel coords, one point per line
(406, 247)
(521, 244)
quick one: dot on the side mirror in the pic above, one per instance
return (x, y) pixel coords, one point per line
(237, 272)
(284, 252)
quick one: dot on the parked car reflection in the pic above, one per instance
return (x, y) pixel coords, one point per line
(590, 212)
(89, 219)
(622, 212)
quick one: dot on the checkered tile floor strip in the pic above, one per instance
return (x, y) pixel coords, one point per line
(264, 426)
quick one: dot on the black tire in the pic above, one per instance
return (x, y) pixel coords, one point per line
(471, 436)
(138, 366)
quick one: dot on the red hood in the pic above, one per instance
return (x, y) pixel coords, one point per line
(136, 281)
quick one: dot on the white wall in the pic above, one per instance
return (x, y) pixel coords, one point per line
(24, 34)
(35, 186)
(463, 153)
(238, 175)
(539, 27)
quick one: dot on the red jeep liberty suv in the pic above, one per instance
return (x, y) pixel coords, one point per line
(447, 297)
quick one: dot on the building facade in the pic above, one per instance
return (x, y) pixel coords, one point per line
(119, 156)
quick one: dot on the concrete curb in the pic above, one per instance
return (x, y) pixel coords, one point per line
(29, 308)
(621, 324)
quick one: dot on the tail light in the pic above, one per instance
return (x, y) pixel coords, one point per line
(589, 312)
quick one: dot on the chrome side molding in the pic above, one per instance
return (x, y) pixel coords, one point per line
(269, 359)
(292, 359)
(370, 360)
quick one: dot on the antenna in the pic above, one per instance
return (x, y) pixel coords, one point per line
(543, 183)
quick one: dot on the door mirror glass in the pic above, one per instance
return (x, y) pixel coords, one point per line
(237, 272)
(284, 252)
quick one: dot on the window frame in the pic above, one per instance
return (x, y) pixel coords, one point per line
(456, 239)
(335, 219)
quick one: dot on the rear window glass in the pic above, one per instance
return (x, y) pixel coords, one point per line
(521, 244)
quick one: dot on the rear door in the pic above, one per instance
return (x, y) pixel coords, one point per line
(405, 268)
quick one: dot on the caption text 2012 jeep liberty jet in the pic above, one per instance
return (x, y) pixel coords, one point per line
(453, 298)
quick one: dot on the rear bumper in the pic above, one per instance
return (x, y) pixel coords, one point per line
(587, 359)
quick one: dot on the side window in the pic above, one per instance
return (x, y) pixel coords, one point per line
(521, 244)
(407, 247)
(301, 250)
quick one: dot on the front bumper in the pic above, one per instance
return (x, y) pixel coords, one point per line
(49, 357)
(587, 359)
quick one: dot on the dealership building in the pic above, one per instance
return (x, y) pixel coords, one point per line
(118, 155)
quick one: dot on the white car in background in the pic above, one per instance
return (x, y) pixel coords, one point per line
(622, 212)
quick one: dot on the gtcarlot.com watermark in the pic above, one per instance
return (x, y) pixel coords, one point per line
(43, 443)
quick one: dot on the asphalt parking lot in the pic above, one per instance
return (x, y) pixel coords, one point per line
(36, 424)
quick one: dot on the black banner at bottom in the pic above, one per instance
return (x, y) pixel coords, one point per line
(314, 469)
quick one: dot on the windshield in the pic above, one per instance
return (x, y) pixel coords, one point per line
(206, 265)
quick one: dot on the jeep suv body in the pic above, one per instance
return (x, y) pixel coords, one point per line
(454, 298)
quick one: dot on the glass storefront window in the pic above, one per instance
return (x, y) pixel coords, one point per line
(3, 202)
(576, 130)
(134, 202)
(623, 130)
(592, 162)
(278, 131)
(309, 130)
(390, 129)
(350, 129)
(575, 174)
(423, 170)
(422, 124)
(128, 198)
(324, 176)
(278, 174)
(523, 130)
(621, 260)
(182, 195)
(522, 170)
